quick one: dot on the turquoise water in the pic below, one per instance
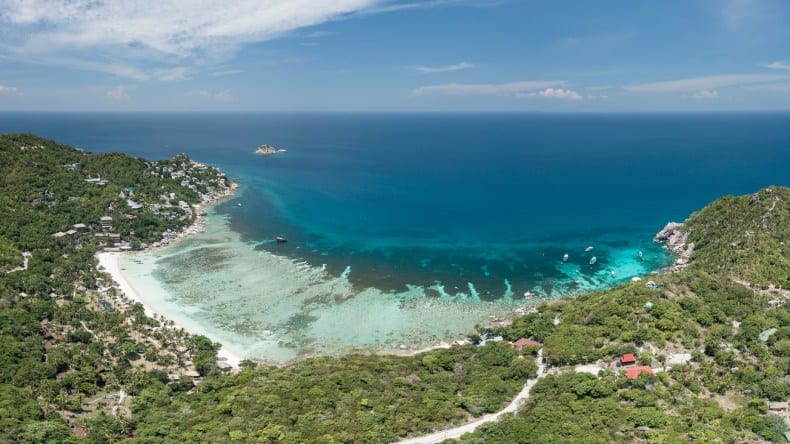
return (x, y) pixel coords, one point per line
(407, 229)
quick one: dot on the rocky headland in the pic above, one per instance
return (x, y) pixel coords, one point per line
(675, 239)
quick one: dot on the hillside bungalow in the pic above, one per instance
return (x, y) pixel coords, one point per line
(780, 408)
(106, 223)
(628, 359)
(634, 372)
(525, 342)
(134, 205)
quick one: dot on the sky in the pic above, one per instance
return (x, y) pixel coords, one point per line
(394, 55)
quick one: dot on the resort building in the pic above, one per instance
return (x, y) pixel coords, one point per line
(106, 223)
(524, 342)
(634, 372)
(134, 205)
(627, 359)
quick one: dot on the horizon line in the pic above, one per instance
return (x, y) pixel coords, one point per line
(568, 112)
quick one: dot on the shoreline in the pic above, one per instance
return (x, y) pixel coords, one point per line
(228, 357)
(109, 261)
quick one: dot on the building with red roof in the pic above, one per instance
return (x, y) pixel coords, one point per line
(628, 359)
(524, 342)
(634, 372)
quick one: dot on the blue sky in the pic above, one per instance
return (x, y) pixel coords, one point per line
(394, 55)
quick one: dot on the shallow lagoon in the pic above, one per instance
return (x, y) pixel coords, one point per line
(270, 307)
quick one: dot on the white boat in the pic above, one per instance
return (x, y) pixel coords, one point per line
(641, 257)
(588, 249)
(593, 260)
(613, 273)
(565, 257)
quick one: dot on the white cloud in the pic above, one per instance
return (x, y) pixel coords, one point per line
(446, 68)
(117, 93)
(705, 94)
(221, 96)
(179, 73)
(513, 88)
(7, 89)
(229, 72)
(779, 64)
(139, 39)
(199, 93)
(746, 14)
(771, 87)
(601, 97)
(704, 83)
(318, 34)
(558, 93)
(392, 6)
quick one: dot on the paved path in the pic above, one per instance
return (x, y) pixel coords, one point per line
(25, 260)
(456, 432)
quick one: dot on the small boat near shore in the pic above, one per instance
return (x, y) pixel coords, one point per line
(588, 249)
(565, 257)
(280, 240)
(593, 260)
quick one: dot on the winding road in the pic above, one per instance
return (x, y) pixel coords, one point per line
(457, 432)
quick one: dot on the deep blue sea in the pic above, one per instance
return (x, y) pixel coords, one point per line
(486, 203)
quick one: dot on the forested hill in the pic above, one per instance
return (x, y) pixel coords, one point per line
(746, 237)
(67, 340)
(78, 363)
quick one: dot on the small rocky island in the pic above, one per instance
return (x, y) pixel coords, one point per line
(268, 149)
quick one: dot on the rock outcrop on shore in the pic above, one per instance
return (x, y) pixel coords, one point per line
(675, 238)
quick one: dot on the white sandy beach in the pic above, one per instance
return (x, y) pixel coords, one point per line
(109, 260)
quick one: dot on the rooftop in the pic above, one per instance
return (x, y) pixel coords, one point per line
(525, 342)
(633, 373)
(627, 358)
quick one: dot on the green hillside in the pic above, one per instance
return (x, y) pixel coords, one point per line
(726, 310)
(746, 237)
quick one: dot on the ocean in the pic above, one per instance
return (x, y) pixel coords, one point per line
(409, 229)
